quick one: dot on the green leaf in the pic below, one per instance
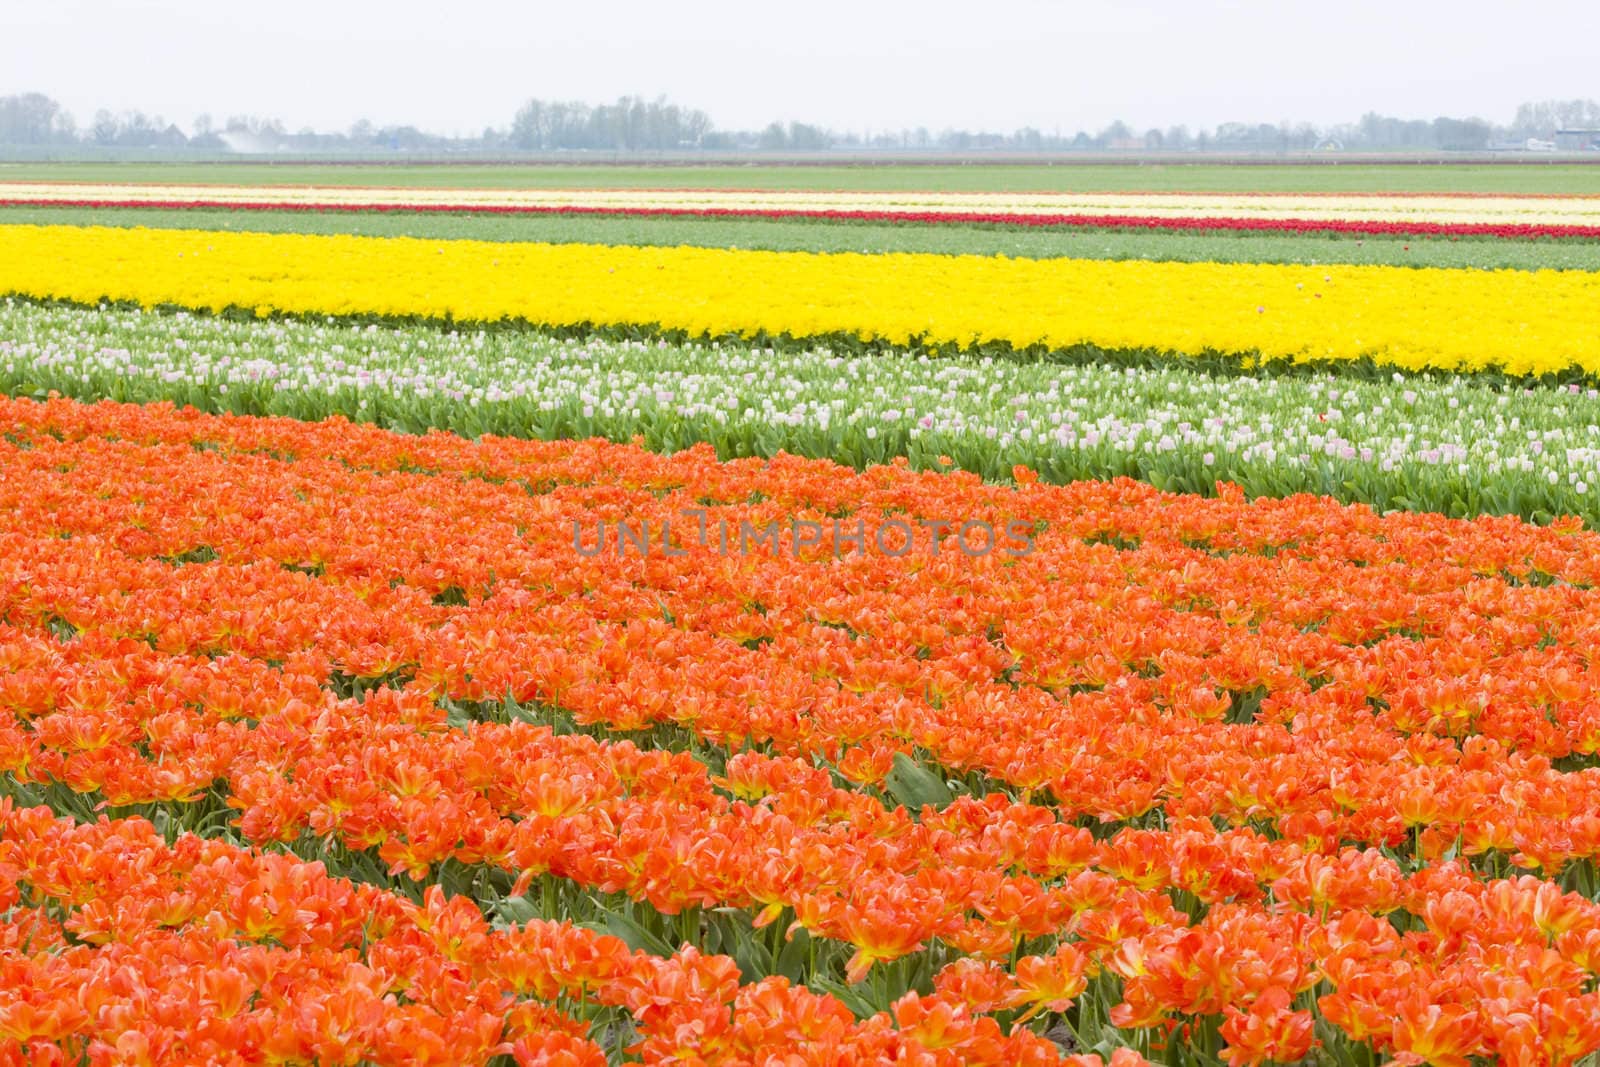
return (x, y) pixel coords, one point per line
(915, 786)
(516, 911)
(793, 960)
(629, 930)
(753, 960)
(850, 997)
(456, 716)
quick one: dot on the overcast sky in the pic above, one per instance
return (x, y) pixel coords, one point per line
(850, 64)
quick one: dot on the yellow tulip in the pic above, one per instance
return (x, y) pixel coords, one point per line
(1522, 322)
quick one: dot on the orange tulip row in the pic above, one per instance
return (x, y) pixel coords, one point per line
(119, 948)
(182, 591)
(124, 722)
(1398, 674)
(1536, 946)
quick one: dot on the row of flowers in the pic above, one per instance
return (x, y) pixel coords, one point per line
(1371, 227)
(1552, 209)
(120, 948)
(1519, 322)
(1305, 631)
(1449, 443)
(184, 590)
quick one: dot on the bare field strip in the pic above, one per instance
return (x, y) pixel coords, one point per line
(1404, 176)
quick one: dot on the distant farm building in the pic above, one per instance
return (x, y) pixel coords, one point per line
(1578, 140)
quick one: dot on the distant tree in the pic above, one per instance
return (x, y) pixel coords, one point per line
(270, 128)
(135, 129)
(1543, 118)
(632, 123)
(774, 137)
(32, 118)
(697, 125)
(1371, 129)
(804, 138)
(1461, 135)
(1117, 131)
(1234, 134)
(105, 128)
(528, 125)
(637, 124)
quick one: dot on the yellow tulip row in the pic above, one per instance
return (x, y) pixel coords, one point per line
(1522, 322)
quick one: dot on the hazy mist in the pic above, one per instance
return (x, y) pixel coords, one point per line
(853, 66)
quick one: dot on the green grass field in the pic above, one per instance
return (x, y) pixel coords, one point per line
(1222, 247)
(1566, 178)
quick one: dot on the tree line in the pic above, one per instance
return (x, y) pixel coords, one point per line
(635, 124)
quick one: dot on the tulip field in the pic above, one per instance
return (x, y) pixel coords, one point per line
(566, 625)
(1440, 216)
